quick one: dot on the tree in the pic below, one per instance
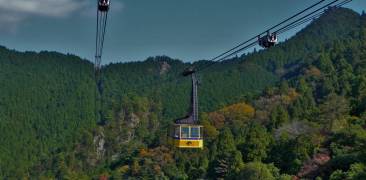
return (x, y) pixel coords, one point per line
(325, 64)
(217, 119)
(256, 143)
(284, 87)
(338, 175)
(238, 113)
(302, 85)
(357, 171)
(225, 143)
(228, 159)
(278, 117)
(210, 131)
(255, 171)
(333, 108)
(237, 116)
(359, 93)
(289, 153)
(345, 75)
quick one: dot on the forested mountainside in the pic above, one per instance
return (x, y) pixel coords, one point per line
(295, 110)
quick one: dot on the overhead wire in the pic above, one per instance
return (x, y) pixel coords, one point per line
(214, 60)
(309, 14)
(227, 56)
(236, 50)
(300, 23)
(279, 24)
(253, 41)
(280, 31)
(315, 16)
(102, 17)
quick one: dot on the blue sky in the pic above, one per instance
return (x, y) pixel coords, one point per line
(188, 30)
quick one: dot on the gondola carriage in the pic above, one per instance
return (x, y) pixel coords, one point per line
(186, 132)
(103, 5)
(267, 41)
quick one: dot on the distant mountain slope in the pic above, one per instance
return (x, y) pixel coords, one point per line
(239, 77)
(334, 26)
(47, 99)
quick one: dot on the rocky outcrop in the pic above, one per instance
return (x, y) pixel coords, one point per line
(164, 68)
(99, 142)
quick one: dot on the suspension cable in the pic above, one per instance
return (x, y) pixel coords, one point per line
(224, 56)
(277, 25)
(102, 17)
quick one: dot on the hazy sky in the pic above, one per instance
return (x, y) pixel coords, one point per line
(186, 29)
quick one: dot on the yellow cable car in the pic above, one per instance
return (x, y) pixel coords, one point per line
(188, 136)
(186, 133)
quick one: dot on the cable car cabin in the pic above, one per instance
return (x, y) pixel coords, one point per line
(186, 133)
(268, 40)
(187, 136)
(103, 5)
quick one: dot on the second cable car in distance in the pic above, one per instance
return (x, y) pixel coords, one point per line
(186, 132)
(103, 5)
(268, 40)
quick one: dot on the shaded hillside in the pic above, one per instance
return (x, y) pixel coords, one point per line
(219, 86)
(46, 101)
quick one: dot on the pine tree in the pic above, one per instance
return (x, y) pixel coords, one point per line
(228, 160)
(333, 108)
(256, 143)
(255, 171)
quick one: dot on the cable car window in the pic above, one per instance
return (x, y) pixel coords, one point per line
(195, 132)
(185, 132)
